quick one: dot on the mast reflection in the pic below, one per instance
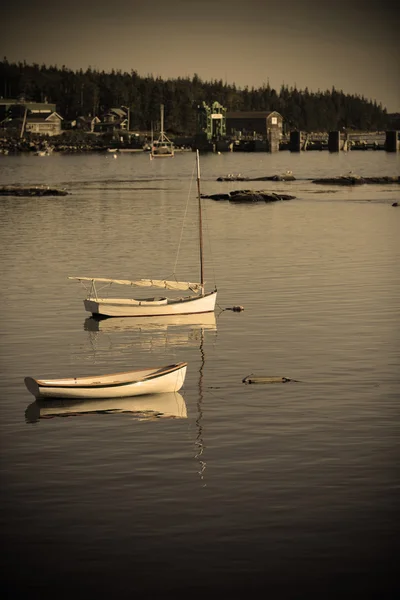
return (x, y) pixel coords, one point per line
(199, 438)
(153, 333)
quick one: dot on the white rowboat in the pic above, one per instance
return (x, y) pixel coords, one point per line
(117, 385)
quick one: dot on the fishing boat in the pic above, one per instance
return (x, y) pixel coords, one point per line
(198, 302)
(117, 385)
(169, 405)
(162, 147)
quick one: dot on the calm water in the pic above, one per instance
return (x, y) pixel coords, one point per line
(288, 489)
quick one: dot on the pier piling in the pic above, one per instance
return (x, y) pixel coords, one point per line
(273, 140)
(295, 141)
(392, 143)
(334, 141)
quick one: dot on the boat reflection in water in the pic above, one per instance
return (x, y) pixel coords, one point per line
(149, 407)
(148, 324)
(152, 333)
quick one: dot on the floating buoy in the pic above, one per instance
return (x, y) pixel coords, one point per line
(235, 308)
(265, 379)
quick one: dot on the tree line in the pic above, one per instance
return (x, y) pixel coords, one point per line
(93, 92)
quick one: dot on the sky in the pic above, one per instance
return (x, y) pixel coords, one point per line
(353, 45)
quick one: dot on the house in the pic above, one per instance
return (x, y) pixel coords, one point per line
(43, 123)
(111, 127)
(114, 119)
(253, 123)
(15, 107)
(86, 123)
(34, 117)
(114, 114)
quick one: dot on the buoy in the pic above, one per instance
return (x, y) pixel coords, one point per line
(235, 308)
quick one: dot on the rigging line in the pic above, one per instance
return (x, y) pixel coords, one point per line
(89, 288)
(184, 219)
(209, 244)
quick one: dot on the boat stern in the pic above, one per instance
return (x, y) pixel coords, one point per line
(32, 387)
(181, 377)
(91, 306)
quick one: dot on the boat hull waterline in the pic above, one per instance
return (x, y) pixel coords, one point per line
(119, 307)
(117, 385)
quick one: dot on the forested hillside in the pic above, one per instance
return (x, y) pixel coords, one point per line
(92, 92)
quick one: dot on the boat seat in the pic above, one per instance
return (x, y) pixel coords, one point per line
(152, 301)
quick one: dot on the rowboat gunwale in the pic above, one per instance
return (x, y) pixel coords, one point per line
(75, 382)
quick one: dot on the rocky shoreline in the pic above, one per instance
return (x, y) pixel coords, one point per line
(59, 144)
(247, 196)
(32, 190)
(337, 180)
(356, 180)
(34, 148)
(288, 176)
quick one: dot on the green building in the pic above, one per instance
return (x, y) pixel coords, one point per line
(211, 121)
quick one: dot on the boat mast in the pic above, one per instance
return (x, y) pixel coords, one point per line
(23, 124)
(200, 224)
(162, 122)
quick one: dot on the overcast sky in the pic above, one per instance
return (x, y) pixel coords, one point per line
(351, 44)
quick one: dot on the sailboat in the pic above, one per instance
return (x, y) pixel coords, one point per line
(163, 147)
(198, 302)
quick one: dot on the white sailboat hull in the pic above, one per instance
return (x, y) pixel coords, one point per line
(162, 152)
(117, 385)
(120, 307)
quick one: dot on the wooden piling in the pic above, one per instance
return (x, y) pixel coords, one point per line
(273, 140)
(334, 141)
(295, 141)
(392, 143)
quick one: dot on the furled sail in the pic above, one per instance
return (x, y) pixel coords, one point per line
(159, 283)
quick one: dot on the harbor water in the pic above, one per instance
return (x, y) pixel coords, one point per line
(287, 489)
